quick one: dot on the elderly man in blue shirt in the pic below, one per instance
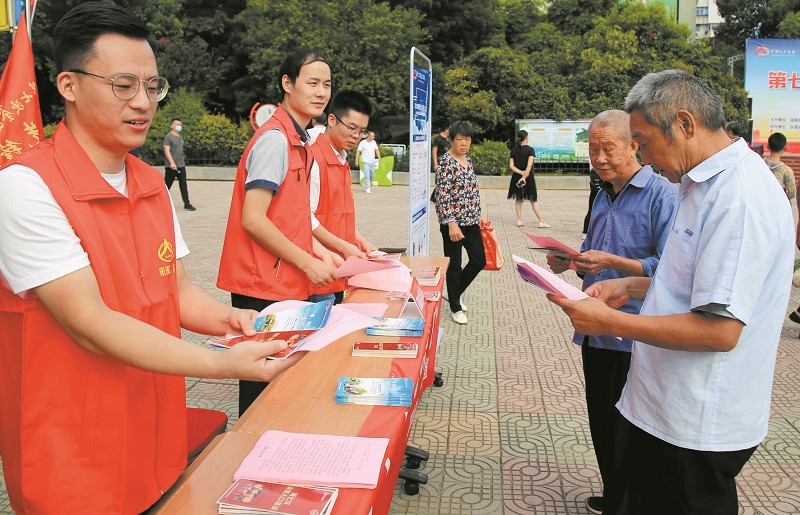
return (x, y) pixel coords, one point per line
(626, 234)
(697, 400)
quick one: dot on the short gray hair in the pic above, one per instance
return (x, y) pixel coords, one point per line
(659, 96)
(618, 121)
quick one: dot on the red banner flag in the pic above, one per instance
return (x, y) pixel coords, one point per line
(20, 115)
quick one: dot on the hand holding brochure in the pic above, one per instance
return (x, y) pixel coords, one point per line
(547, 281)
(353, 266)
(292, 325)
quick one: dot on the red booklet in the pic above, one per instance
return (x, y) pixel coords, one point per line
(246, 496)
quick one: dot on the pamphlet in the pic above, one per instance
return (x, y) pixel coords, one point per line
(548, 244)
(309, 459)
(546, 280)
(247, 496)
(429, 276)
(292, 325)
(375, 391)
(392, 279)
(353, 266)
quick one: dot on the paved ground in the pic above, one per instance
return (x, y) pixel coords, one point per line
(508, 431)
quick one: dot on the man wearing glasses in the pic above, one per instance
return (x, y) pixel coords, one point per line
(333, 212)
(93, 294)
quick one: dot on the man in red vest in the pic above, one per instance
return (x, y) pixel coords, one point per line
(271, 258)
(93, 294)
(333, 213)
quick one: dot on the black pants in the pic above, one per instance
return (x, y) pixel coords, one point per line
(593, 189)
(249, 390)
(170, 174)
(605, 372)
(663, 479)
(457, 279)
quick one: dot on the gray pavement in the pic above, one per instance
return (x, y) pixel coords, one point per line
(508, 431)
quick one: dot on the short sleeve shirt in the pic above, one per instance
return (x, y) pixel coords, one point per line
(729, 247)
(521, 156)
(175, 144)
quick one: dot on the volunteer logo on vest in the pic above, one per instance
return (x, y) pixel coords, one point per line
(166, 254)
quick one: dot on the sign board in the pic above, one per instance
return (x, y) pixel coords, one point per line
(772, 80)
(419, 151)
(557, 141)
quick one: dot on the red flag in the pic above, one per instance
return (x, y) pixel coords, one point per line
(20, 115)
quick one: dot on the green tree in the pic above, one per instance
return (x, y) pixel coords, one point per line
(753, 19)
(458, 27)
(577, 16)
(367, 44)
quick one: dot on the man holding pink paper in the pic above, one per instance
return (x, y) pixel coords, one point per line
(627, 232)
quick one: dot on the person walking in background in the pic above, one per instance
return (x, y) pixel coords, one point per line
(441, 144)
(458, 207)
(175, 162)
(370, 156)
(781, 171)
(523, 184)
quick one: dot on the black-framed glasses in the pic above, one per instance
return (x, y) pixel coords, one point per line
(126, 85)
(355, 130)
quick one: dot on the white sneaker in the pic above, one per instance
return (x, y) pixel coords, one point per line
(543, 225)
(464, 307)
(369, 190)
(520, 223)
(460, 318)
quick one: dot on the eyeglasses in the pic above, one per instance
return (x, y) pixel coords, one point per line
(354, 130)
(126, 85)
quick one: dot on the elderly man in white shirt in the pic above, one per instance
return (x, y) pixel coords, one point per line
(696, 403)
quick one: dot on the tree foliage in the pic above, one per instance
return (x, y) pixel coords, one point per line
(755, 19)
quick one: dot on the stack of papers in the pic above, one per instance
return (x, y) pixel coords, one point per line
(375, 391)
(307, 459)
(385, 349)
(546, 280)
(292, 325)
(249, 497)
(397, 327)
(429, 276)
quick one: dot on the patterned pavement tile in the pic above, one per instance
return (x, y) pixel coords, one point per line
(532, 486)
(519, 395)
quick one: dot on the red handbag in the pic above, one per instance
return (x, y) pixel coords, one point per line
(494, 256)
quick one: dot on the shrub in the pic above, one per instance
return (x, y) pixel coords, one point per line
(213, 140)
(182, 104)
(490, 158)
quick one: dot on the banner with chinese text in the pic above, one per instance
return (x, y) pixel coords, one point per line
(772, 80)
(20, 116)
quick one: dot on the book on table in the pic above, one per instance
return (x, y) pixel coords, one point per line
(375, 391)
(251, 497)
(429, 276)
(385, 349)
(292, 325)
(397, 327)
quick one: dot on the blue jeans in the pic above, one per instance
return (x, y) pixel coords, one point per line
(369, 173)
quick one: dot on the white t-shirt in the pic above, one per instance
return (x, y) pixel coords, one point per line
(37, 242)
(730, 251)
(314, 191)
(368, 149)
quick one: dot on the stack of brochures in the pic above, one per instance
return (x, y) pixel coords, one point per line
(385, 349)
(429, 276)
(375, 391)
(397, 327)
(249, 497)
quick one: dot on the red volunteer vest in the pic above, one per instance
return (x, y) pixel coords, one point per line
(247, 268)
(82, 433)
(336, 210)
